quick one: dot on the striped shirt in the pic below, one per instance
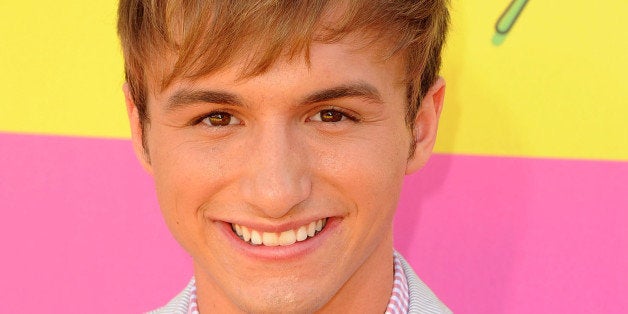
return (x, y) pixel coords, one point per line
(398, 303)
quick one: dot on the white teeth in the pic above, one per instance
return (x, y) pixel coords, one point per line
(311, 229)
(287, 237)
(302, 233)
(256, 238)
(246, 234)
(270, 239)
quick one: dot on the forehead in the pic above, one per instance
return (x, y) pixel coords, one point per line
(258, 45)
(348, 61)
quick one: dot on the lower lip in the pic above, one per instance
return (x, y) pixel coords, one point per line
(279, 253)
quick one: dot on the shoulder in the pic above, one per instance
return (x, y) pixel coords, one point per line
(179, 304)
(422, 299)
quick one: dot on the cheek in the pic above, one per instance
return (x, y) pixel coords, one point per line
(184, 169)
(369, 169)
(367, 178)
(186, 173)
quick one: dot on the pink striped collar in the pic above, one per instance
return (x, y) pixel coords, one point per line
(399, 298)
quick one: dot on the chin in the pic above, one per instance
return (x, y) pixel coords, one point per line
(283, 300)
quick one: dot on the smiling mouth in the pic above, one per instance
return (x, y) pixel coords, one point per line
(288, 237)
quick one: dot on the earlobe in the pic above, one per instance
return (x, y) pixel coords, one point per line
(137, 133)
(426, 126)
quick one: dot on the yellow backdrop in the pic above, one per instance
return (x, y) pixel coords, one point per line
(555, 87)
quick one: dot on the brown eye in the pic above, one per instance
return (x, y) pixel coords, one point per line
(220, 119)
(331, 116)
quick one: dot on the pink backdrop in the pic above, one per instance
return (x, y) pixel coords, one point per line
(82, 232)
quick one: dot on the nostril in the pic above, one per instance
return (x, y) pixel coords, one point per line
(275, 194)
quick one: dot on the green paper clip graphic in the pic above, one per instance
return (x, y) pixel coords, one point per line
(507, 20)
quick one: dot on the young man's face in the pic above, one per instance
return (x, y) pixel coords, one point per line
(275, 154)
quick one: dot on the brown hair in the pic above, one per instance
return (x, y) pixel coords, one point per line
(203, 36)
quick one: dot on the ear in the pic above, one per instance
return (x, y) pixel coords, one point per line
(426, 126)
(137, 133)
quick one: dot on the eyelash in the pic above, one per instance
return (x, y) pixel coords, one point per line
(350, 116)
(199, 120)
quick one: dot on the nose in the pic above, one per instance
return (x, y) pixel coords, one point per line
(276, 178)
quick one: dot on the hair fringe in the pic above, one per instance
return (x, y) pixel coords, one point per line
(204, 36)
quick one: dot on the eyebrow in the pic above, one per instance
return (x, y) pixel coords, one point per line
(185, 97)
(356, 89)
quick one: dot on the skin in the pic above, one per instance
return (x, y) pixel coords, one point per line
(279, 164)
